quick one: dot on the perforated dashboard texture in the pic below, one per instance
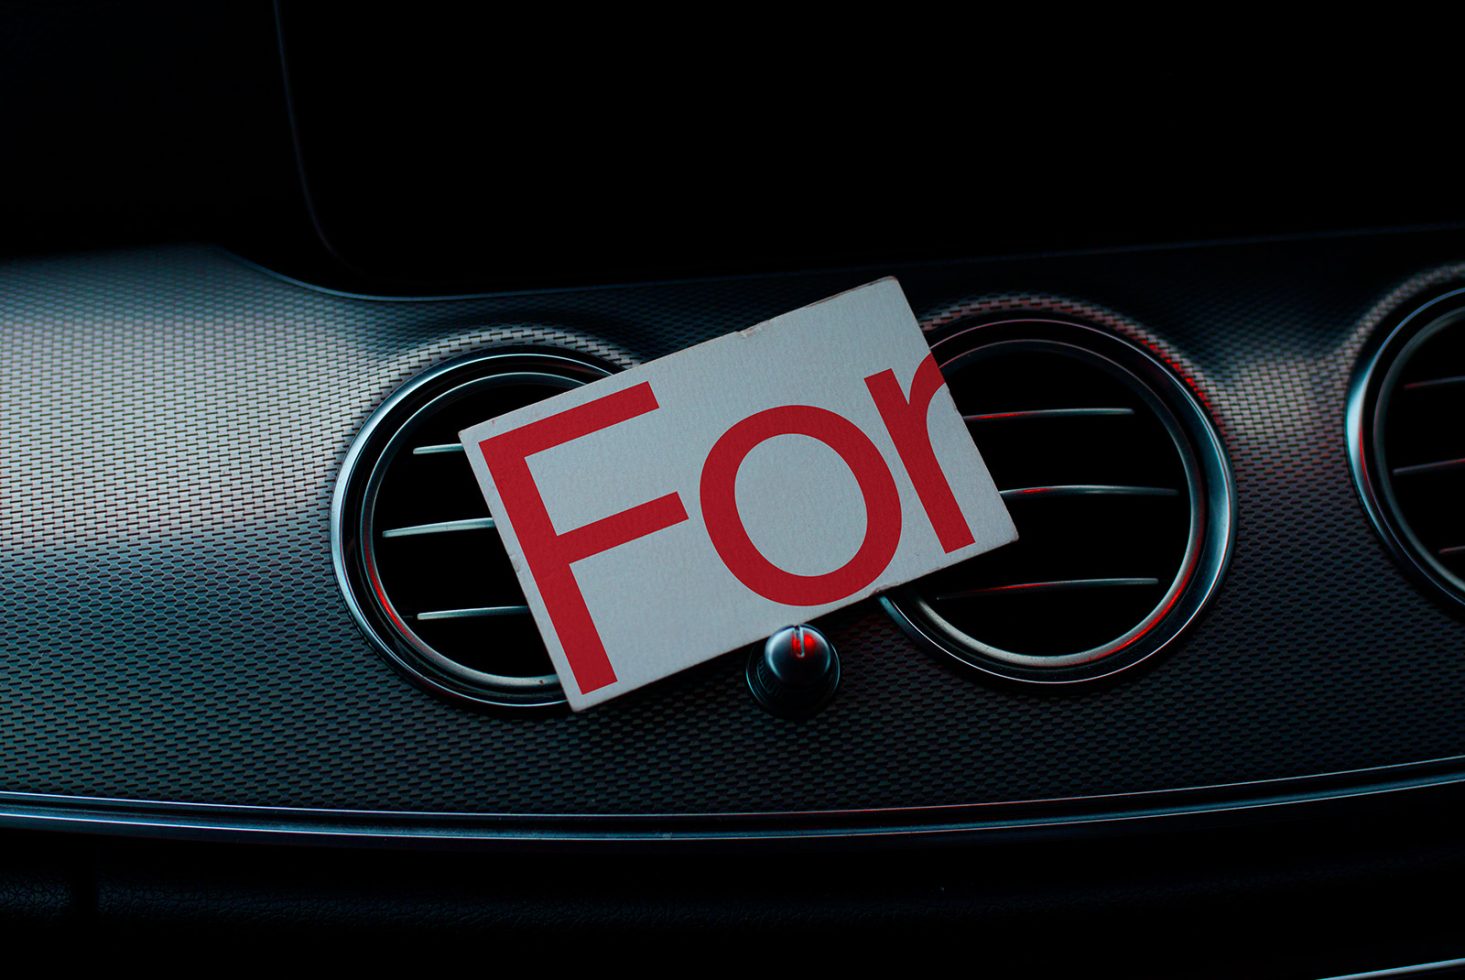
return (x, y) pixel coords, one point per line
(173, 422)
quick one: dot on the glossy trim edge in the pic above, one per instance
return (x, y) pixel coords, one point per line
(39, 811)
(1412, 970)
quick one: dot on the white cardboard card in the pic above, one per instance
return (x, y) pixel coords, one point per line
(700, 502)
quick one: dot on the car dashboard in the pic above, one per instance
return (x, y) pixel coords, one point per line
(268, 672)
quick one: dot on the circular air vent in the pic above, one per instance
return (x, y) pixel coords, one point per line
(1407, 445)
(415, 547)
(1121, 495)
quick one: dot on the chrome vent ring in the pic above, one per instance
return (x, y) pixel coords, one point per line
(1406, 444)
(415, 548)
(1120, 490)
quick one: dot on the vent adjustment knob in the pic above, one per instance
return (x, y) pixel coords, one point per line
(796, 672)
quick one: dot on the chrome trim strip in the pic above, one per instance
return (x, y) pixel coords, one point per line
(1048, 413)
(1435, 382)
(477, 612)
(441, 527)
(1057, 585)
(1402, 971)
(1437, 466)
(204, 820)
(447, 447)
(1089, 490)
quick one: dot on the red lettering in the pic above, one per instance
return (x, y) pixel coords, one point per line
(905, 420)
(548, 554)
(730, 537)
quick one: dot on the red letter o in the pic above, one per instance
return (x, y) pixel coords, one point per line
(730, 537)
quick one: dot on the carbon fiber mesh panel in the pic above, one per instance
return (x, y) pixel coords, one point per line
(172, 423)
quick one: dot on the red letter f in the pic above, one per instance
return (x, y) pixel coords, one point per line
(549, 554)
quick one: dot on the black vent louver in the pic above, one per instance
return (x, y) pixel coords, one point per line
(1406, 423)
(416, 548)
(1119, 490)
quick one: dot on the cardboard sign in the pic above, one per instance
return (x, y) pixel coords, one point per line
(703, 501)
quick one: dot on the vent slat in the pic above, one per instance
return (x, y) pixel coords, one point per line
(1056, 585)
(1089, 490)
(441, 527)
(437, 449)
(1438, 466)
(477, 612)
(1458, 379)
(1049, 413)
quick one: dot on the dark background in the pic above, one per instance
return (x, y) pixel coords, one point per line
(427, 148)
